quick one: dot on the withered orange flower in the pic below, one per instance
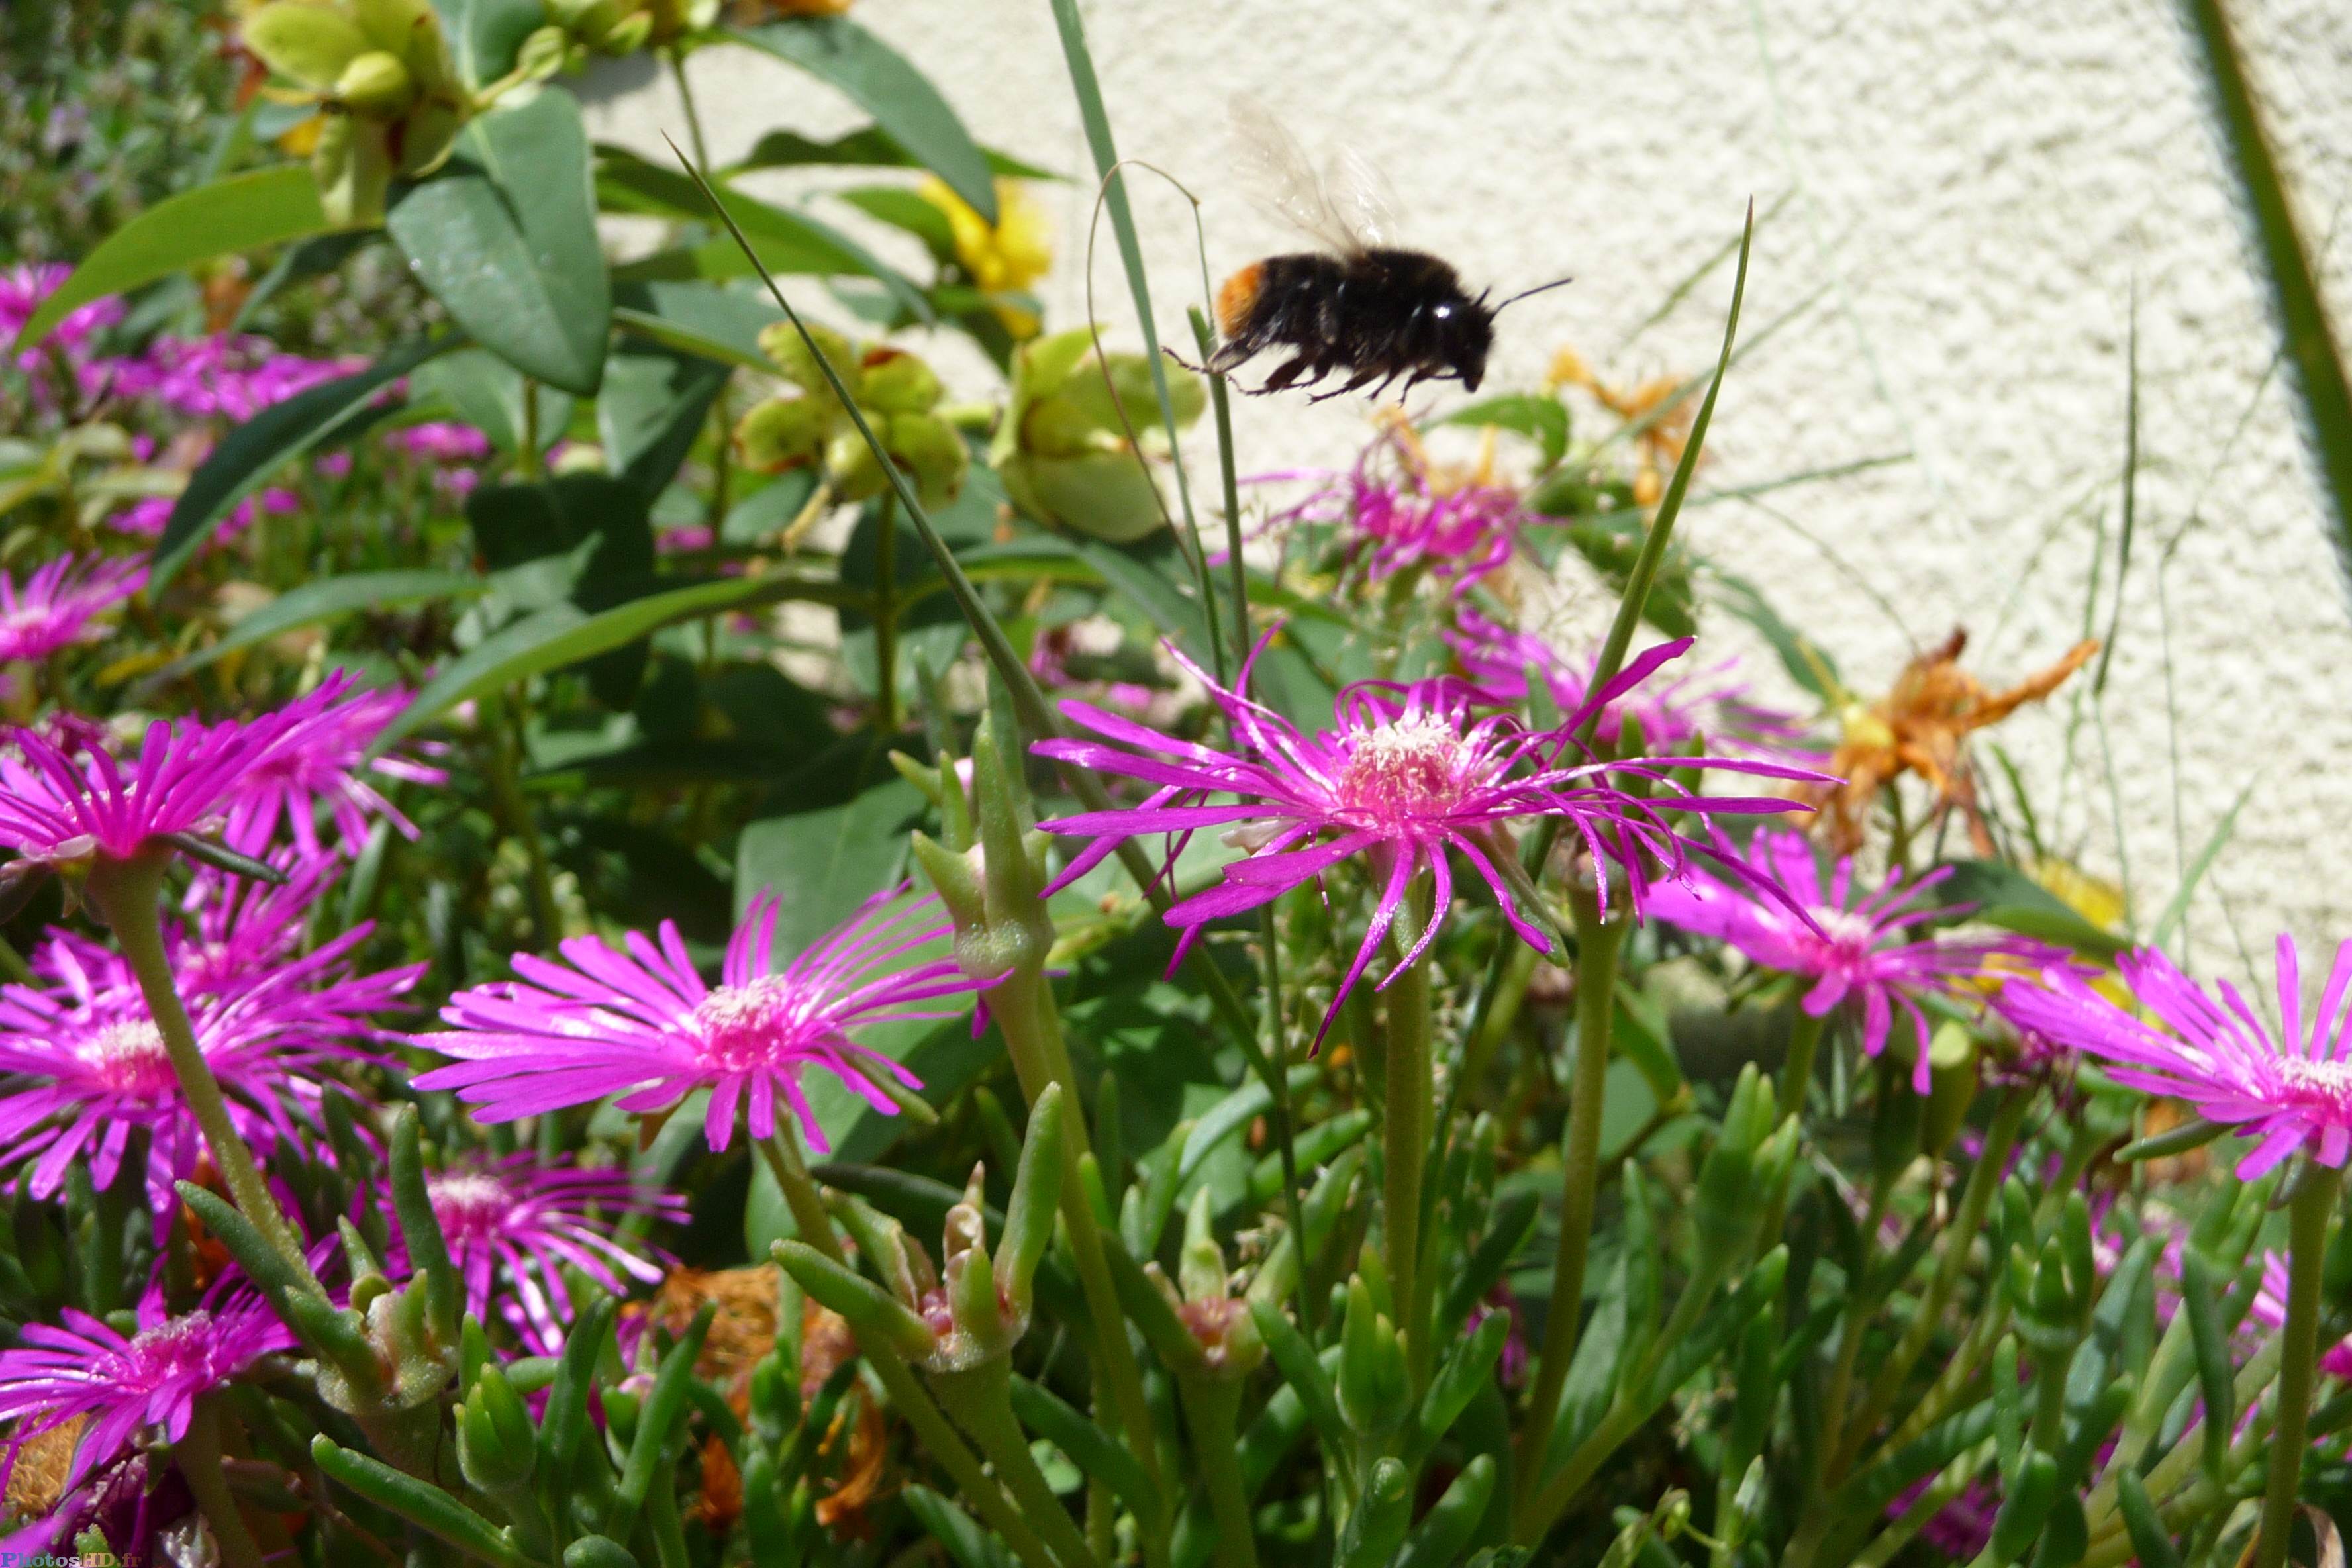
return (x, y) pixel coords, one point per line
(1661, 443)
(742, 1332)
(1922, 726)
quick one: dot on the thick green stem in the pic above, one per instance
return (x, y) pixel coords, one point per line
(2307, 1217)
(1797, 1072)
(1596, 1001)
(198, 1454)
(885, 617)
(1410, 1096)
(1636, 1399)
(1024, 1009)
(1213, 1405)
(126, 893)
(1959, 1236)
(1277, 1082)
(981, 1400)
(505, 723)
(974, 1486)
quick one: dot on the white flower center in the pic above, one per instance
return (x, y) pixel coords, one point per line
(748, 1026)
(2328, 1082)
(470, 1204)
(130, 1058)
(1410, 766)
(1847, 932)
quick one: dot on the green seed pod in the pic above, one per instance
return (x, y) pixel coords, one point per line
(1951, 1089)
(895, 382)
(931, 451)
(375, 84)
(307, 44)
(545, 52)
(784, 433)
(855, 471)
(783, 343)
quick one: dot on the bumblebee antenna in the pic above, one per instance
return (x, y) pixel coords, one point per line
(1555, 284)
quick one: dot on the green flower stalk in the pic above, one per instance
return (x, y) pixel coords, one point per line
(960, 1322)
(2317, 1191)
(990, 874)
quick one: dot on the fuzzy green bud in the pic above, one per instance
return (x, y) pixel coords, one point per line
(496, 1445)
(931, 451)
(895, 382)
(782, 433)
(1036, 1196)
(783, 343)
(1375, 1393)
(375, 84)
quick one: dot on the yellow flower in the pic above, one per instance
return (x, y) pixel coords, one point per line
(1002, 258)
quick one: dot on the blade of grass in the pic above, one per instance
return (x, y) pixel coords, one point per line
(2302, 316)
(2131, 492)
(1096, 118)
(2176, 913)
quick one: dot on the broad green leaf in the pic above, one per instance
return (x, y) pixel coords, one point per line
(821, 865)
(248, 455)
(629, 184)
(331, 599)
(565, 634)
(699, 318)
(870, 148)
(905, 105)
(903, 210)
(1543, 420)
(652, 408)
(2001, 894)
(484, 36)
(484, 391)
(506, 239)
(267, 206)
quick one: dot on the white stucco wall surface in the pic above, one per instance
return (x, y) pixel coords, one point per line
(1975, 193)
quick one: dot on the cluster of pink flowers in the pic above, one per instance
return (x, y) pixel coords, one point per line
(22, 289)
(60, 604)
(1400, 510)
(1851, 945)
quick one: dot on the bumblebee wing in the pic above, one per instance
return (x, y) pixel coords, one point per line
(1276, 171)
(1361, 200)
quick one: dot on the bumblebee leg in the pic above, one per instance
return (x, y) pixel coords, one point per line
(1290, 370)
(1187, 365)
(1352, 382)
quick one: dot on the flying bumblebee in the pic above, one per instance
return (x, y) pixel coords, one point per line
(1362, 304)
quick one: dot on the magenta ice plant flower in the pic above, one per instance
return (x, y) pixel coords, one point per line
(1407, 777)
(2288, 1088)
(514, 1227)
(82, 1064)
(322, 758)
(1399, 509)
(22, 291)
(66, 803)
(643, 1024)
(1851, 943)
(58, 605)
(1674, 715)
(126, 1384)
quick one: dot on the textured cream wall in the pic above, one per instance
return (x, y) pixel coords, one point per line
(1977, 188)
